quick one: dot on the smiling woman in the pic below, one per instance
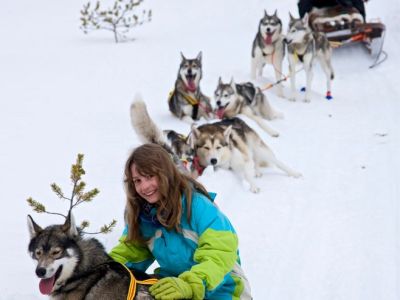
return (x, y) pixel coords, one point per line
(172, 219)
(145, 185)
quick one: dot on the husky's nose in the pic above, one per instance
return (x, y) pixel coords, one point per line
(40, 272)
(268, 30)
(213, 161)
(219, 103)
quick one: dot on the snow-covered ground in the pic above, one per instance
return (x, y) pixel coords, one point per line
(332, 234)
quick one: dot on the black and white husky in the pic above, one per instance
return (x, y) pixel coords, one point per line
(186, 101)
(71, 267)
(268, 48)
(233, 99)
(304, 45)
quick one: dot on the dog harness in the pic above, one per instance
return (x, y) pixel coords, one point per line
(103, 266)
(193, 102)
(189, 99)
(133, 283)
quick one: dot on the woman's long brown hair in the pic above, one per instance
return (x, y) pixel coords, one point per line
(153, 160)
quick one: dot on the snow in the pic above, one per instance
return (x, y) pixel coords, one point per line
(332, 234)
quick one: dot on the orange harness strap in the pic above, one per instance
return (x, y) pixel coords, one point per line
(134, 282)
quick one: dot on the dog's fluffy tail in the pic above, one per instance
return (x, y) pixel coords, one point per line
(144, 126)
(147, 130)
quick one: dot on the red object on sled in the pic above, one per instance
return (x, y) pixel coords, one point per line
(345, 25)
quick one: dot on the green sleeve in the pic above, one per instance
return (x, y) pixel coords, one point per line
(216, 256)
(133, 255)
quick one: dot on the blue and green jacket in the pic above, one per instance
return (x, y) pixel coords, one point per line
(206, 248)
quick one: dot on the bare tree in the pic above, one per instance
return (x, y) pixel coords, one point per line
(119, 19)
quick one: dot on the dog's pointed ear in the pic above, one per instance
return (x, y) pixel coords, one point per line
(275, 13)
(183, 57)
(265, 13)
(220, 80)
(228, 132)
(69, 226)
(232, 84)
(34, 229)
(190, 140)
(291, 17)
(305, 19)
(199, 56)
(193, 136)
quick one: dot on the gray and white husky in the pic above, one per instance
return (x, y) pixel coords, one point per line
(244, 98)
(268, 48)
(304, 45)
(186, 101)
(231, 144)
(71, 267)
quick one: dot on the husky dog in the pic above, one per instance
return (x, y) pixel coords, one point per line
(233, 99)
(186, 101)
(73, 268)
(303, 46)
(175, 143)
(232, 144)
(229, 143)
(268, 48)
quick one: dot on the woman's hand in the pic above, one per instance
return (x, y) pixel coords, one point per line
(170, 288)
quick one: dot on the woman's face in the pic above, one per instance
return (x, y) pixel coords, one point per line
(146, 186)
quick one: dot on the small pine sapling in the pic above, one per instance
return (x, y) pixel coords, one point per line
(78, 196)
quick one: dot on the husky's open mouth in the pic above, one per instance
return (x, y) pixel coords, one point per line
(268, 37)
(220, 111)
(46, 284)
(191, 84)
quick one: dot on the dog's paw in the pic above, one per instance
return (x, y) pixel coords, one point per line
(292, 98)
(255, 189)
(258, 174)
(306, 100)
(296, 174)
